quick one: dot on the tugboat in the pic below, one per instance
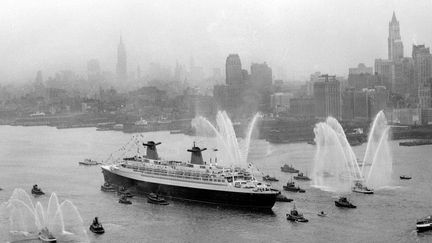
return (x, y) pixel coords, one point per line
(124, 200)
(89, 162)
(404, 177)
(295, 216)
(282, 198)
(289, 169)
(344, 203)
(322, 214)
(301, 177)
(424, 224)
(107, 187)
(124, 192)
(156, 199)
(290, 186)
(269, 178)
(96, 227)
(46, 236)
(359, 188)
(37, 191)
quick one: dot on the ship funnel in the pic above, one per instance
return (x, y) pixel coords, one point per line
(196, 156)
(151, 150)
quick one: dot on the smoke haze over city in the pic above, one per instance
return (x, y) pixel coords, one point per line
(295, 38)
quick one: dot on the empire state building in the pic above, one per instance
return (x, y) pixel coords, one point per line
(121, 69)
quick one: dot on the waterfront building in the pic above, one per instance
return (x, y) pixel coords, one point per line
(280, 102)
(121, 68)
(327, 97)
(302, 107)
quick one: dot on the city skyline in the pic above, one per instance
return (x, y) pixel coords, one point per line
(294, 44)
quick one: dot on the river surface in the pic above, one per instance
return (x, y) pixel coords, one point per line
(49, 157)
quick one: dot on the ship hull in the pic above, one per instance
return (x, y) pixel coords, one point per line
(199, 195)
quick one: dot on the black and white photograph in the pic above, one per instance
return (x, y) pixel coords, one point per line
(215, 121)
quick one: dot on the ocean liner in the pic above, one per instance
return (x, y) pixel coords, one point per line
(196, 180)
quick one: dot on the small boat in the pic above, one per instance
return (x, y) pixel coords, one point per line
(96, 227)
(124, 192)
(156, 199)
(107, 187)
(289, 169)
(344, 203)
(424, 224)
(301, 190)
(46, 236)
(89, 162)
(124, 200)
(295, 216)
(322, 214)
(269, 178)
(37, 191)
(290, 186)
(404, 177)
(282, 198)
(301, 177)
(359, 188)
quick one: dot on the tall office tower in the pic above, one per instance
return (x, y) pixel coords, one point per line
(233, 70)
(384, 69)
(395, 45)
(403, 77)
(121, 69)
(261, 76)
(422, 73)
(327, 96)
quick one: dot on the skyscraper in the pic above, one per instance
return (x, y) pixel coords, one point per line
(395, 45)
(121, 69)
(385, 70)
(422, 73)
(261, 76)
(327, 96)
(233, 70)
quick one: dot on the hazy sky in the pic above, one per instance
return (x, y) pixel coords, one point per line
(298, 35)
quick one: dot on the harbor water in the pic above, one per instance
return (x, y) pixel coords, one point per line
(49, 157)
